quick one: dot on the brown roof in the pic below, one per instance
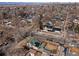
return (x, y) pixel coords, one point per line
(33, 51)
(51, 46)
(38, 53)
(74, 50)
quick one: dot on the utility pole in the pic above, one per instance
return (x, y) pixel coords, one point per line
(65, 37)
(65, 28)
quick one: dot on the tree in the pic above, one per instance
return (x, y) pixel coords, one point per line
(76, 29)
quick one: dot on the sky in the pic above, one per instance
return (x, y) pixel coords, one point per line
(39, 0)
